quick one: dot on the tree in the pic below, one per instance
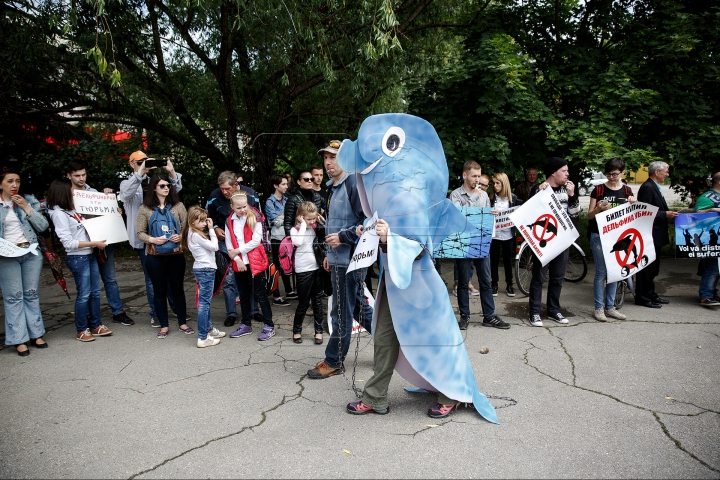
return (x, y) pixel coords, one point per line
(228, 80)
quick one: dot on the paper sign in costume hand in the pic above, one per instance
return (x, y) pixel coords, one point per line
(403, 176)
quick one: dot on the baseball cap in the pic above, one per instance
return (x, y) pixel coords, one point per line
(332, 147)
(138, 155)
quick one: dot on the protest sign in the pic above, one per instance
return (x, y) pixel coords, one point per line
(545, 225)
(696, 235)
(110, 228)
(367, 248)
(475, 244)
(502, 220)
(356, 327)
(626, 239)
(95, 203)
(9, 249)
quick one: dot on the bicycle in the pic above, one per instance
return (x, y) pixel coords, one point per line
(575, 271)
(623, 286)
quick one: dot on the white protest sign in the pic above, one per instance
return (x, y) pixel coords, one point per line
(502, 220)
(626, 239)
(110, 228)
(95, 203)
(545, 225)
(356, 327)
(367, 248)
(9, 249)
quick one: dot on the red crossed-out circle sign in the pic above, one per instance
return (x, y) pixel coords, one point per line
(633, 239)
(547, 226)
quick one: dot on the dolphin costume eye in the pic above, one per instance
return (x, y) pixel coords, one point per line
(393, 141)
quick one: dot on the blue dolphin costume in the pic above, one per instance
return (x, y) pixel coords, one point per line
(402, 174)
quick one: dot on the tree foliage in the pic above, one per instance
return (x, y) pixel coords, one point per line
(587, 80)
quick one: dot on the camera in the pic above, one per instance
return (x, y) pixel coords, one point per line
(155, 162)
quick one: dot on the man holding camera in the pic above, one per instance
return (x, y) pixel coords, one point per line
(131, 194)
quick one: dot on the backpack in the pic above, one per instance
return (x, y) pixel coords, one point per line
(286, 256)
(163, 223)
(600, 190)
(265, 242)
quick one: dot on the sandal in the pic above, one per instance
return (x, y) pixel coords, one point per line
(297, 339)
(162, 334)
(187, 330)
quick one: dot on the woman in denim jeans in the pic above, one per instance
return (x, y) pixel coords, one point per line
(604, 197)
(80, 258)
(198, 236)
(20, 218)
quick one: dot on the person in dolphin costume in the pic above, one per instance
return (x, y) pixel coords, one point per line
(403, 176)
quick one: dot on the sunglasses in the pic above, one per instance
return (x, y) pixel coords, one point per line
(163, 185)
(334, 144)
(307, 179)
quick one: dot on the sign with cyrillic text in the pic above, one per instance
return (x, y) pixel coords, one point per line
(367, 248)
(95, 203)
(9, 249)
(626, 239)
(545, 225)
(502, 220)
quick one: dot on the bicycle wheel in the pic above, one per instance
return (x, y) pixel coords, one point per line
(620, 294)
(577, 265)
(523, 269)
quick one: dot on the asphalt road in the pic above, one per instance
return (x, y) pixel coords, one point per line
(635, 398)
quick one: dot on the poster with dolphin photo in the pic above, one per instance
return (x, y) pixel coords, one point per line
(626, 239)
(545, 225)
(696, 235)
(473, 244)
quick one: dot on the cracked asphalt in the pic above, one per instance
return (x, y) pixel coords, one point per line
(635, 398)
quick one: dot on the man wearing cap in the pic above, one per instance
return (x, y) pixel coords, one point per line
(131, 194)
(556, 174)
(344, 215)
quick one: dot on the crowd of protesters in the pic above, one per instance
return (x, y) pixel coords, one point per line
(322, 223)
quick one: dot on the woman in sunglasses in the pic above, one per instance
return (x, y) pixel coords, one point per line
(302, 193)
(159, 223)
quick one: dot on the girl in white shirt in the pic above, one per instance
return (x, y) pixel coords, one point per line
(198, 236)
(309, 286)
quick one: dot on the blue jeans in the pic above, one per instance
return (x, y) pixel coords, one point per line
(599, 288)
(346, 295)
(87, 282)
(230, 292)
(149, 290)
(482, 266)
(206, 280)
(709, 279)
(19, 283)
(107, 273)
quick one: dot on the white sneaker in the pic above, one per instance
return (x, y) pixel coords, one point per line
(613, 313)
(600, 315)
(535, 321)
(454, 292)
(215, 333)
(473, 291)
(208, 342)
(558, 317)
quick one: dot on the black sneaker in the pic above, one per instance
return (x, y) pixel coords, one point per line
(123, 318)
(558, 317)
(495, 322)
(280, 302)
(464, 322)
(510, 291)
(230, 321)
(495, 290)
(291, 296)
